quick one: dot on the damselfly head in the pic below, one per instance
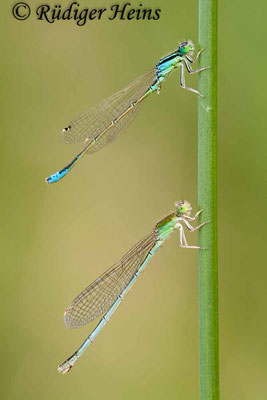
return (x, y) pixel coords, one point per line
(186, 47)
(183, 207)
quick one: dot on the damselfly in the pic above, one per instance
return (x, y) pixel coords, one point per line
(103, 123)
(106, 293)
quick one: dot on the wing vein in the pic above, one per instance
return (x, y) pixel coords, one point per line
(99, 296)
(93, 122)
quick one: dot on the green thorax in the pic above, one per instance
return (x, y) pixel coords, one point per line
(166, 226)
(167, 64)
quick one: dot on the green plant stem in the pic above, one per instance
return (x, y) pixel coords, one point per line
(207, 197)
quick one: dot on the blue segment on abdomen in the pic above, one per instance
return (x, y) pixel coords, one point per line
(60, 174)
(57, 176)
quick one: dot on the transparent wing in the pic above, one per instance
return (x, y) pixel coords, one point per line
(98, 297)
(91, 123)
(114, 131)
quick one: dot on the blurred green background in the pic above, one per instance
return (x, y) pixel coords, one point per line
(57, 239)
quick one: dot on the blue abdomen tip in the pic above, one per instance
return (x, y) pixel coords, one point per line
(56, 177)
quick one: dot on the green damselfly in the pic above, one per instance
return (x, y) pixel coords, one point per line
(103, 123)
(106, 293)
